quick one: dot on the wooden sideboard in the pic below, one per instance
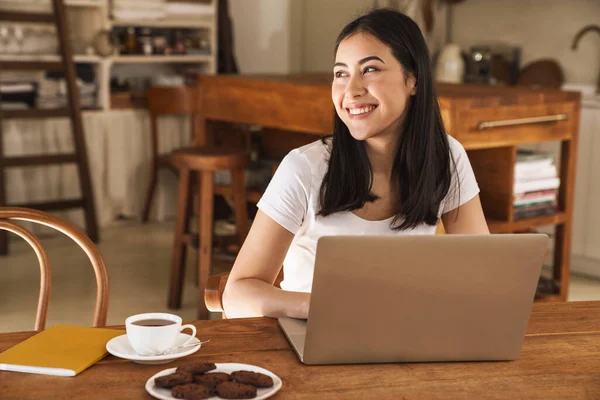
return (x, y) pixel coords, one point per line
(490, 122)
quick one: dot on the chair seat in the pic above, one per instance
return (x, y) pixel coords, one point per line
(210, 158)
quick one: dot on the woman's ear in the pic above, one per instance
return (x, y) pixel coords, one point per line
(411, 83)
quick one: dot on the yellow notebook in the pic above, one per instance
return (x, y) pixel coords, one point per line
(61, 350)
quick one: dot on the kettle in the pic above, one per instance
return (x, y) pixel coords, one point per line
(450, 67)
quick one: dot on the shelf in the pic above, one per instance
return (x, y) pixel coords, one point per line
(47, 58)
(35, 113)
(198, 22)
(84, 3)
(202, 58)
(82, 58)
(507, 227)
(13, 16)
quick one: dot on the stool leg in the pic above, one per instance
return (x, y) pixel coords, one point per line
(238, 186)
(3, 233)
(150, 193)
(179, 247)
(205, 230)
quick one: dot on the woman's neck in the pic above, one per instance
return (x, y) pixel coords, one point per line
(381, 151)
(382, 148)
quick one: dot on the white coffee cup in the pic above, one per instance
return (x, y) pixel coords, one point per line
(153, 333)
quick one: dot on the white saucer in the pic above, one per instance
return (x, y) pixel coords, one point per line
(120, 347)
(261, 393)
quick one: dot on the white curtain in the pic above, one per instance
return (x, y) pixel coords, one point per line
(119, 154)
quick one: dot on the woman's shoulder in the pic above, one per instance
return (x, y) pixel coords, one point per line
(312, 157)
(455, 146)
(316, 151)
(457, 151)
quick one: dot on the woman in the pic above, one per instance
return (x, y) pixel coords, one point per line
(389, 169)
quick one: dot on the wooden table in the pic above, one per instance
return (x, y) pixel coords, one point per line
(489, 121)
(560, 359)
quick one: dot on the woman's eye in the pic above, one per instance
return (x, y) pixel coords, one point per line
(340, 74)
(370, 69)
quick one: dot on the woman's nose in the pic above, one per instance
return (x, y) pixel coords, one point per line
(355, 88)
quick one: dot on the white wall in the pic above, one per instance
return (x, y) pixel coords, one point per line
(262, 35)
(323, 21)
(283, 36)
(543, 28)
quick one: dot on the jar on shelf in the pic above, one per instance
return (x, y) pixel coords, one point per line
(130, 42)
(160, 44)
(146, 46)
(204, 46)
(179, 45)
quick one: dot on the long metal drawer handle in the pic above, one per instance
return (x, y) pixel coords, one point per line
(522, 121)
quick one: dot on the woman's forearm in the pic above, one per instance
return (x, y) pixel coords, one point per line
(255, 298)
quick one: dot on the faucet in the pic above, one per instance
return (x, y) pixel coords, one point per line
(578, 36)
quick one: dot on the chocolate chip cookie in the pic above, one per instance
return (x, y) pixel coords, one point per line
(252, 378)
(197, 368)
(178, 378)
(235, 390)
(212, 379)
(191, 391)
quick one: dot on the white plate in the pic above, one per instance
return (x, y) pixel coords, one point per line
(120, 347)
(261, 393)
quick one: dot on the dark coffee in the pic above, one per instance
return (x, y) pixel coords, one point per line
(153, 322)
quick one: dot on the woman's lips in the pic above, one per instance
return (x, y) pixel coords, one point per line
(360, 111)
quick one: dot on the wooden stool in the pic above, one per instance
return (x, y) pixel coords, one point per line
(204, 161)
(163, 101)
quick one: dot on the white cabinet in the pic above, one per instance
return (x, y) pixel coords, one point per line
(585, 245)
(586, 223)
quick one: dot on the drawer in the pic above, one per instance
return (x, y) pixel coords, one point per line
(514, 124)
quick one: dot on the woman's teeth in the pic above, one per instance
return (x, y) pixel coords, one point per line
(358, 111)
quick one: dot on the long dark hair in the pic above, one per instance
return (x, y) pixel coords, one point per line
(422, 162)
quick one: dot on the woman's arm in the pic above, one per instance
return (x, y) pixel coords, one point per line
(250, 291)
(467, 218)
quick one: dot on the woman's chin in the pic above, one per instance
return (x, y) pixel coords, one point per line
(361, 135)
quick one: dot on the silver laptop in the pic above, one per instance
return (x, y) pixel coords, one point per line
(419, 298)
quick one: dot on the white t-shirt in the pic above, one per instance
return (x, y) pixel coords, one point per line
(292, 200)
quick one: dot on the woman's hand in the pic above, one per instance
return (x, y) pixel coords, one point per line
(304, 306)
(250, 291)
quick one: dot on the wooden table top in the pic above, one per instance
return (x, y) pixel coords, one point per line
(560, 359)
(302, 102)
(447, 90)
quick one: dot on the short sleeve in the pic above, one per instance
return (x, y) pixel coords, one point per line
(286, 198)
(466, 187)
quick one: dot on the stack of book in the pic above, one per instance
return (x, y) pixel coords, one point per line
(18, 89)
(536, 185)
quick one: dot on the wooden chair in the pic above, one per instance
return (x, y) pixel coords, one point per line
(213, 294)
(162, 101)
(7, 214)
(204, 162)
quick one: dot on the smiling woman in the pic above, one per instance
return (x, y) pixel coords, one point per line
(389, 169)
(362, 85)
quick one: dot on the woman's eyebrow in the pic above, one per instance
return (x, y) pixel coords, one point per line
(362, 61)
